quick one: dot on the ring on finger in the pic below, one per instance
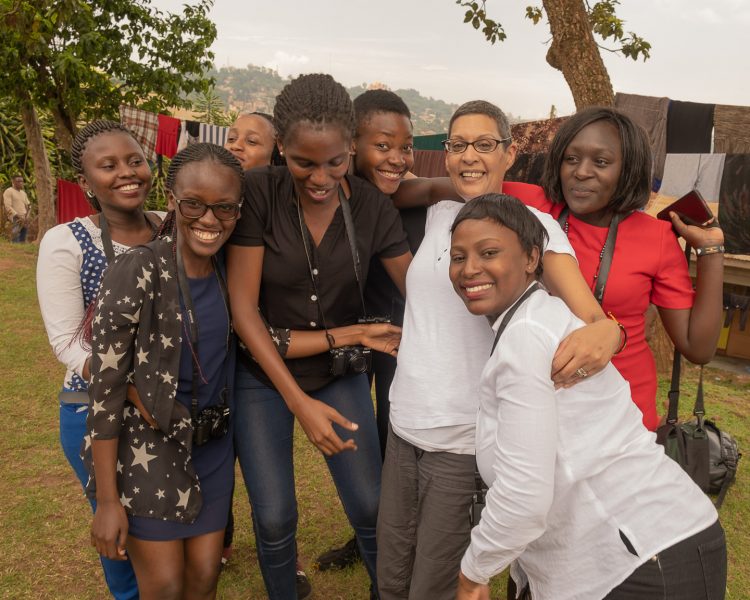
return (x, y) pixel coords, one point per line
(582, 373)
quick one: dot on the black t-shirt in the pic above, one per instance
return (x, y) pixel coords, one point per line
(287, 296)
(382, 297)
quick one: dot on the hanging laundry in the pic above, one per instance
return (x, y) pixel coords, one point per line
(650, 113)
(535, 136)
(732, 129)
(144, 126)
(689, 127)
(166, 137)
(213, 134)
(71, 202)
(686, 172)
(188, 134)
(734, 203)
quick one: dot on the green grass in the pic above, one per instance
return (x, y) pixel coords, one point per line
(44, 519)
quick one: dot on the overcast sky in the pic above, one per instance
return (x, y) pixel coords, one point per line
(699, 49)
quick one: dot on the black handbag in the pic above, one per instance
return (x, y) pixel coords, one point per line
(709, 455)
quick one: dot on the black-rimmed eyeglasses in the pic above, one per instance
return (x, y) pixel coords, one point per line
(483, 146)
(194, 209)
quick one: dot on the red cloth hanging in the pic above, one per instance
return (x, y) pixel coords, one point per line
(71, 202)
(167, 136)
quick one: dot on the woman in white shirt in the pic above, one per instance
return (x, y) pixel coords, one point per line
(580, 495)
(114, 175)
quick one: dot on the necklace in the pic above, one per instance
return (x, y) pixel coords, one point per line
(566, 228)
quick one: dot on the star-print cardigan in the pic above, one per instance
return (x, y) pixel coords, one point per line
(136, 338)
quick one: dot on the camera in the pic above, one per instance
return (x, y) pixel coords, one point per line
(353, 360)
(211, 423)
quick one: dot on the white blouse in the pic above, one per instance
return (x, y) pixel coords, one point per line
(569, 471)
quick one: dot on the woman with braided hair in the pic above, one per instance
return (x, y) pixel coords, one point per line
(113, 173)
(300, 254)
(160, 451)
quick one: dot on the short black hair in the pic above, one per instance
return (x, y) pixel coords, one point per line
(509, 212)
(316, 98)
(378, 101)
(482, 107)
(633, 186)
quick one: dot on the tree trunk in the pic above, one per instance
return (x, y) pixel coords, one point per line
(575, 53)
(43, 173)
(65, 129)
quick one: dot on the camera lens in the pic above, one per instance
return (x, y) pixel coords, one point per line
(358, 363)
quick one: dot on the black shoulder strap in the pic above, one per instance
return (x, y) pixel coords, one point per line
(609, 251)
(511, 311)
(699, 409)
(352, 237)
(109, 250)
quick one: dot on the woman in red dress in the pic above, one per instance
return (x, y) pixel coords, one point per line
(598, 168)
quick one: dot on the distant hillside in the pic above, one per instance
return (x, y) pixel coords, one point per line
(254, 88)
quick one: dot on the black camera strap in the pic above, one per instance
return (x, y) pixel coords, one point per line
(191, 327)
(608, 251)
(109, 250)
(512, 311)
(311, 263)
(352, 237)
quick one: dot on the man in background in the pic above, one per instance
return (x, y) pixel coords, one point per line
(16, 204)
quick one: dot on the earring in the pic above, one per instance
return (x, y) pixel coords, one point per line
(90, 194)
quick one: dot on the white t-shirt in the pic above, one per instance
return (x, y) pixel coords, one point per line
(569, 470)
(434, 395)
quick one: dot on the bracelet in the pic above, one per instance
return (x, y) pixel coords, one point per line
(717, 249)
(623, 334)
(331, 340)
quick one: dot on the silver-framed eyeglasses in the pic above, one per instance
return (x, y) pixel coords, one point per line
(483, 145)
(195, 209)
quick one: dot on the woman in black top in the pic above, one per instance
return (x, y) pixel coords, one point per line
(291, 257)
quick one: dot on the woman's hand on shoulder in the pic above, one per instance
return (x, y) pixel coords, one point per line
(698, 236)
(585, 352)
(317, 418)
(382, 337)
(110, 529)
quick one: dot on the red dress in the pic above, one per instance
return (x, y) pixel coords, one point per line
(648, 267)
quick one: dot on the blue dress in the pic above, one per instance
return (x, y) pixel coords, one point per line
(213, 461)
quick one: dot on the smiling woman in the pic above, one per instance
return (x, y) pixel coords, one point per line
(300, 254)
(114, 174)
(159, 451)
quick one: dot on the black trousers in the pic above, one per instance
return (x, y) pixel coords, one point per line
(694, 569)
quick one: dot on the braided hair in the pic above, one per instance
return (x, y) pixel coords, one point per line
(82, 138)
(378, 101)
(192, 154)
(316, 98)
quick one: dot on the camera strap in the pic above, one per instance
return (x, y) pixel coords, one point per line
(607, 253)
(191, 327)
(352, 237)
(511, 311)
(109, 250)
(311, 266)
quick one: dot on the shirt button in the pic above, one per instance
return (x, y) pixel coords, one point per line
(313, 324)
(313, 297)
(315, 271)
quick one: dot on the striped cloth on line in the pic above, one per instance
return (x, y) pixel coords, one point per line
(213, 134)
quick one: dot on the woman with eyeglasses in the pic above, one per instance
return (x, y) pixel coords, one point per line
(159, 451)
(298, 259)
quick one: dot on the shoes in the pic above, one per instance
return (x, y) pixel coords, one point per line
(340, 558)
(304, 589)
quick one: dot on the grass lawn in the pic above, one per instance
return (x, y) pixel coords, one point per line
(44, 519)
